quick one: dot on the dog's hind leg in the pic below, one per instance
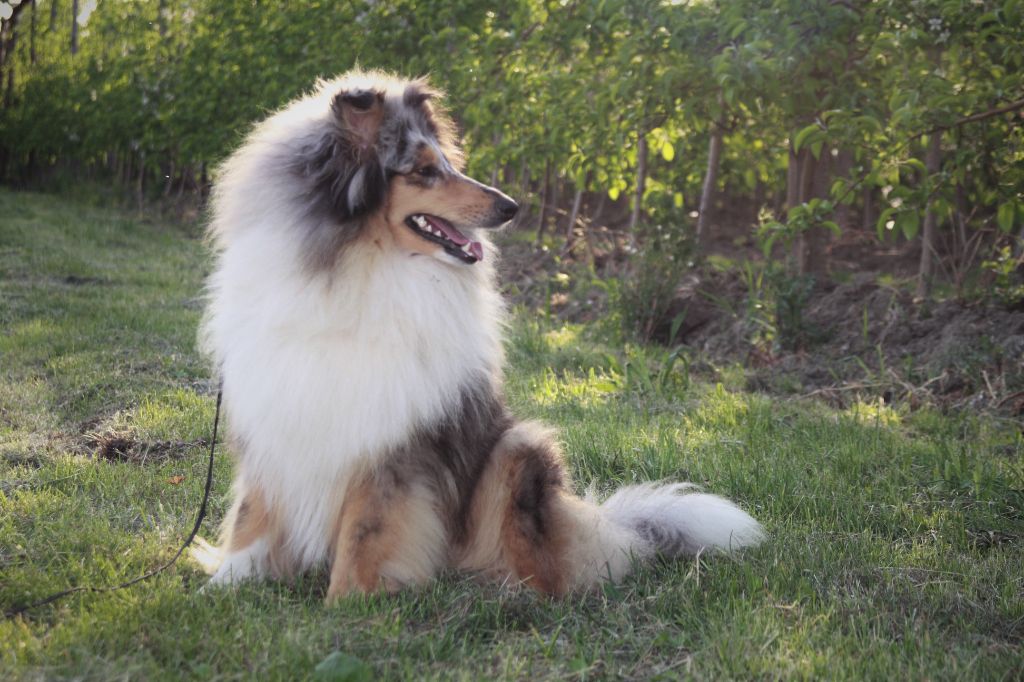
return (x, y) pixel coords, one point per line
(517, 525)
(247, 540)
(526, 525)
(390, 535)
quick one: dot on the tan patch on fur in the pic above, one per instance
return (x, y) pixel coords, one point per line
(521, 517)
(537, 552)
(251, 518)
(455, 198)
(251, 521)
(389, 536)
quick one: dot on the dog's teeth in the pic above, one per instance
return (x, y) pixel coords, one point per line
(420, 220)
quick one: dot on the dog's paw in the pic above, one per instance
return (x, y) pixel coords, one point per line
(245, 564)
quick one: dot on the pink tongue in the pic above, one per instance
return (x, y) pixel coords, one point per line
(456, 237)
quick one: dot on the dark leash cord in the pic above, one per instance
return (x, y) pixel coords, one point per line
(145, 576)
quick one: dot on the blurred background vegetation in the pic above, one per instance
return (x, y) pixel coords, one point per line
(754, 177)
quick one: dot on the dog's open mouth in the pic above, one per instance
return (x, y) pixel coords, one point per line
(440, 231)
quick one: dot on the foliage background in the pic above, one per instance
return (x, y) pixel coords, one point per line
(625, 114)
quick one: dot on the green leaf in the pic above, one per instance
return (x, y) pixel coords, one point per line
(831, 226)
(916, 165)
(677, 322)
(909, 222)
(613, 193)
(1005, 216)
(884, 218)
(668, 152)
(738, 28)
(802, 136)
(342, 667)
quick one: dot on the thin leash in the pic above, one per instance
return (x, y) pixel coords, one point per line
(145, 576)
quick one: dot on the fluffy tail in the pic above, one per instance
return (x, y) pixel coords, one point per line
(639, 522)
(528, 526)
(675, 520)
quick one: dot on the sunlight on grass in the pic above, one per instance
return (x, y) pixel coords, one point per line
(180, 414)
(874, 414)
(722, 407)
(563, 337)
(594, 388)
(30, 337)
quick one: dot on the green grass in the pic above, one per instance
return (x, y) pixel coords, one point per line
(896, 537)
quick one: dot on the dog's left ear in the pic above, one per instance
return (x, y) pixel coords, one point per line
(417, 93)
(426, 101)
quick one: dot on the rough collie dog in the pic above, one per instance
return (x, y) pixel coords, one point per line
(354, 320)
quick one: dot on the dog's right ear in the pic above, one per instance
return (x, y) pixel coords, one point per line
(359, 114)
(342, 173)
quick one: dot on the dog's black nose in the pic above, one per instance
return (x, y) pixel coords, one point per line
(506, 208)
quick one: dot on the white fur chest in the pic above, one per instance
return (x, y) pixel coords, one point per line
(322, 377)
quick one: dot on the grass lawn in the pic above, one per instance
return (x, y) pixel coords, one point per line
(896, 536)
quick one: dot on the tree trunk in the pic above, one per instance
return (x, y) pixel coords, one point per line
(926, 268)
(32, 35)
(813, 260)
(544, 196)
(708, 192)
(138, 184)
(556, 200)
(792, 179)
(53, 16)
(12, 43)
(170, 177)
(867, 221)
(641, 183)
(74, 27)
(570, 228)
(204, 181)
(804, 251)
(840, 169)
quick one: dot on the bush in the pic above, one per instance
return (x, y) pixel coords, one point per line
(643, 299)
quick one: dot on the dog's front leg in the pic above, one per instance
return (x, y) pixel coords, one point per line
(247, 542)
(390, 535)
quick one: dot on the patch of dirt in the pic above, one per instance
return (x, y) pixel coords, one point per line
(858, 337)
(77, 281)
(123, 446)
(871, 337)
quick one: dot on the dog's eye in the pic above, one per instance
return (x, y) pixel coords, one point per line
(427, 171)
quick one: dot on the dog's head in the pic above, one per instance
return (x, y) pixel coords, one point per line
(388, 161)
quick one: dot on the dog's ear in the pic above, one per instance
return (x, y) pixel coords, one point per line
(428, 104)
(342, 174)
(360, 183)
(417, 93)
(359, 114)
